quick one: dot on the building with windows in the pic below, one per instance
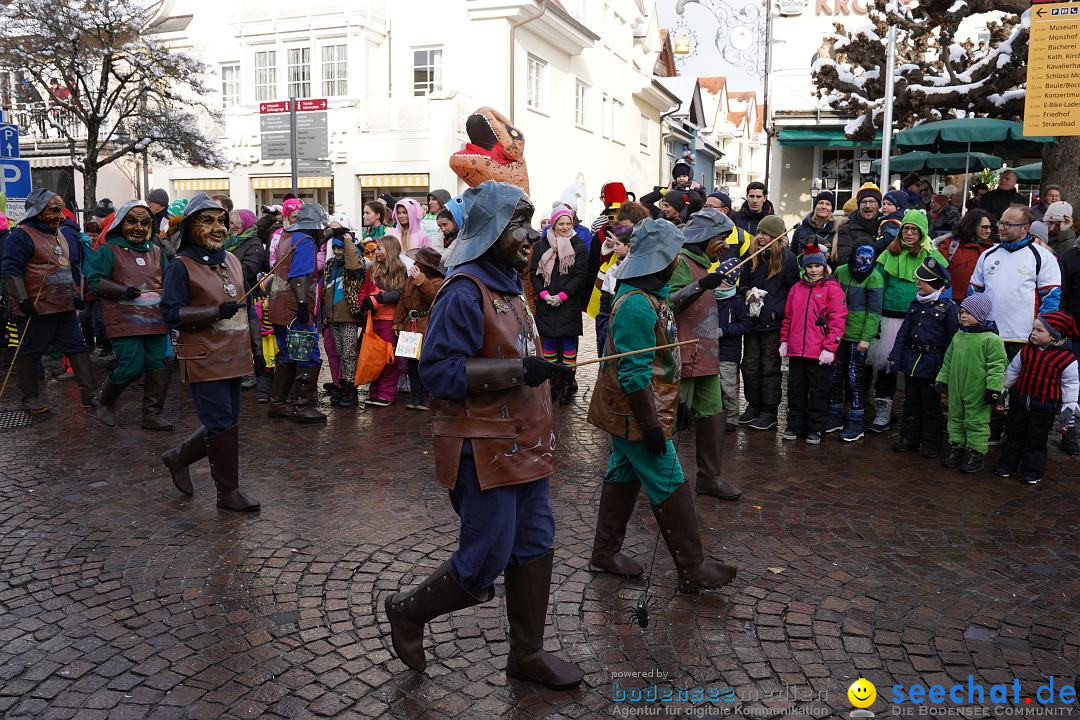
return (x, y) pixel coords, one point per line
(399, 78)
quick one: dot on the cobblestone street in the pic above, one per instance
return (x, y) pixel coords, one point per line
(120, 598)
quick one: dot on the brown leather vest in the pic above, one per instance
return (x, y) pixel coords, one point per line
(49, 270)
(282, 297)
(609, 408)
(511, 431)
(223, 350)
(701, 320)
(141, 316)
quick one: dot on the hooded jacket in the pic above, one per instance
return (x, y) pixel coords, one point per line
(863, 298)
(417, 236)
(962, 256)
(814, 318)
(974, 363)
(899, 270)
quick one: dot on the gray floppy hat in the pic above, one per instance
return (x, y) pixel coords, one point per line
(35, 203)
(122, 213)
(706, 224)
(196, 205)
(487, 208)
(310, 216)
(653, 245)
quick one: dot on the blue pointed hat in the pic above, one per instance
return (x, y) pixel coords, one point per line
(487, 209)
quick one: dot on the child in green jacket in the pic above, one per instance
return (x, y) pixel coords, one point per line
(974, 372)
(863, 290)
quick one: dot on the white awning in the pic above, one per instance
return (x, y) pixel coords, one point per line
(394, 180)
(284, 182)
(202, 184)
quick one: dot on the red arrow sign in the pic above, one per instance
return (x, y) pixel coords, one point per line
(274, 107)
(311, 104)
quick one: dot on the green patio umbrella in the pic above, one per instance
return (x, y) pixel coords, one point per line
(1029, 173)
(967, 134)
(921, 161)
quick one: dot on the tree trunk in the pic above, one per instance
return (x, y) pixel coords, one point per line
(1061, 166)
(90, 174)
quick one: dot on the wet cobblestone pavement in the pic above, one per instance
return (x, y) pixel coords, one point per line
(119, 598)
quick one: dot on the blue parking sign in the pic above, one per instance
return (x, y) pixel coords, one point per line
(9, 141)
(15, 177)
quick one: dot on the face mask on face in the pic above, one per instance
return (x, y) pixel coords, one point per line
(863, 262)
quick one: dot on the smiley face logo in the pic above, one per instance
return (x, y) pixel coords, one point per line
(862, 693)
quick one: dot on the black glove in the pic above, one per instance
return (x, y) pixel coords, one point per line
(537, 370)
(992, 397)
(27, 307)
(379, 297)
(227, 309)
(132, 292)
(655, 441)
(80, 304)
(260, 365)
(710, 281)
(303, 314)
(939, 387)
(341, 231)
(367, 305)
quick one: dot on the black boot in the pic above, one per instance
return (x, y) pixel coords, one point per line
(528, 587)
(679, 525)
(224, 453)
(709, 444)
(347, 394)
(26, 377)
(305, 390)
(110, 392)
(408, 612)
(284, 374)
(566, 395)
(617, 502)
(84, 378)
(973, 463)
(177, 460)
(155, 388)
(1070, 444)
(955, 456)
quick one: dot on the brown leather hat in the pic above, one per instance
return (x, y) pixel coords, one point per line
(427, 257)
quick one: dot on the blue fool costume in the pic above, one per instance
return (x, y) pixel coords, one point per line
(218, 344)
(494, 440)
(635, 401)
(127, 273)
(41, 274)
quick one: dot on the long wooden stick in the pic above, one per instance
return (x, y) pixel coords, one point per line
(22, 336)
(762, 249)
(633, 352)
(251, 289)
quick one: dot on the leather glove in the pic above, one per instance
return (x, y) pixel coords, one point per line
(783, 349)
(940, 387)
(80, 304)
(367, 305)
(130, 293)
(379, 297)
(303, 314)
(26, 305)
(537, 370)
(710, 281)
(826, 358)
(227, 309)
(992, 397)
(655, 441)
(260, 365)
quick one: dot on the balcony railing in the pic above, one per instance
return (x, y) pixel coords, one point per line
(40, 123)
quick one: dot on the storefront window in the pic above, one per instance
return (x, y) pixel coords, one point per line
(839, 171)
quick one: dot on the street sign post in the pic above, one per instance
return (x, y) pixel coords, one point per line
(9, 141)
(296, 130)
(15, 178)
(1052, 99)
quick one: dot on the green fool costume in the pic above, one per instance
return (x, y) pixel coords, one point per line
(973, 369)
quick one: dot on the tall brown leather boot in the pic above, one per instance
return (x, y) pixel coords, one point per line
(284, 374)
(617, 502)
(709, 438)
(679, 525)
(27, 379)
(305, 388)
(528, 587)
(224, 453)
(84, 378)
(191, 450)
(107, 397)
(155, 388)
(408, 612)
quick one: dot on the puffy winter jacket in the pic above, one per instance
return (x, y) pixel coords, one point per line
(962, 256)
(808, 232)
(734, 322)
(777, 286)
(924, 337)
(855, 231)
(814, 318)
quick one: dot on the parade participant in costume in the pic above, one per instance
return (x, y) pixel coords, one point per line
(127, 274)
(412, 312)
(41, 271)
(494, 441)
(495, 151)
(696, 312)
(292, 304)
(218, 343)
(635, 400)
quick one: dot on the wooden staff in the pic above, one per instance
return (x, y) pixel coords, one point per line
(22, 336)
(633, 352)
(761, 249)
(251, 289)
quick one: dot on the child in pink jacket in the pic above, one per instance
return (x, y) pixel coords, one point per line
(813, 327)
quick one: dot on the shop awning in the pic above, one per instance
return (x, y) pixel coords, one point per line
(395, 181)
(822, 137)
(284, 182)
(202, 184)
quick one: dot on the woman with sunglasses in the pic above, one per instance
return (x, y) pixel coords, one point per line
(963, 246)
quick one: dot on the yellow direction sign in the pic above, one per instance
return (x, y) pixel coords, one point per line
(1052, 102)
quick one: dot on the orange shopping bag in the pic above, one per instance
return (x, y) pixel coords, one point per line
(375, 354)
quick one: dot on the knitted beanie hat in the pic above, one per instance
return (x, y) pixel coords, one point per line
(868, 190)
(1060, 324)
(978, 306)
(812, 255)
(898, 198)
(772, 225)
(826, 196)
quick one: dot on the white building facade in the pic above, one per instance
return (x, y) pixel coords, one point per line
(401, 77)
